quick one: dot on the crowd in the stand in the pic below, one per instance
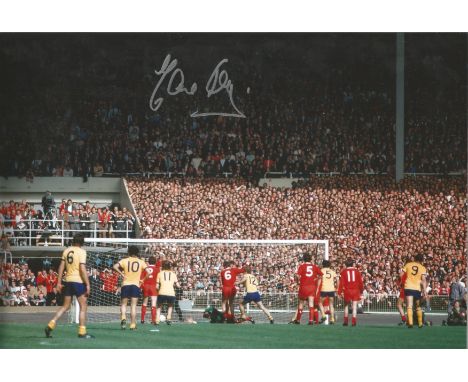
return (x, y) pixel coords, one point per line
(19, 219)
(21, 287)
(379, 223)
(333, 127)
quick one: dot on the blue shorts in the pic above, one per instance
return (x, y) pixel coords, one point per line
(412, 292)
(130, 291)
(74, 289)
(249, 297)
(327, 294)
(163, 299)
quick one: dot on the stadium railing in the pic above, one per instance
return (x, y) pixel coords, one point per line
(275, 174)
(272, 174)
(287, 302)
(55, 233)
(7, 257)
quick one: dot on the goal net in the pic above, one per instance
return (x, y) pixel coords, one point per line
(198, 264)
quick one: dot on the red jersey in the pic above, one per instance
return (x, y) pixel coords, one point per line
(229, 275)
(152, 272)
(41, 279)
(402, 281)
(351, 279)
(51, 283)
(110, 282)
(308, 274)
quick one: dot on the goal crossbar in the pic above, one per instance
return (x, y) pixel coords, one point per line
(203, 241)
(128, 241)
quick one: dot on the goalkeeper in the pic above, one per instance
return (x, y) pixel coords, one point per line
(215, 316)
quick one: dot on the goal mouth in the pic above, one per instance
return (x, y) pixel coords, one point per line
(197, 263)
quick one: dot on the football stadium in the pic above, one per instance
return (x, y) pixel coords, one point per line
(233, 190)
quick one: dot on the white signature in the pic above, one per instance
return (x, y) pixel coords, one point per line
(218, 81)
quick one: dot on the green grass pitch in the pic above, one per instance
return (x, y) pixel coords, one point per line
(204, 335)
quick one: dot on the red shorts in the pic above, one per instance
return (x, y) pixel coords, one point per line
(402, 294)
(307, 291)
(229, 292)
(149, 290)
(352, 295)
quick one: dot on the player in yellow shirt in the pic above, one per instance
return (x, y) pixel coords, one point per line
(73, 262)
(165, 284)
(130, 269)
(252, 295)
(415, 288)
(328, 290)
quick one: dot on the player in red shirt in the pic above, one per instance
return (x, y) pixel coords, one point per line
(148, 288)
(401, 300)
(228, 279)
(309, 277)
(351, 286)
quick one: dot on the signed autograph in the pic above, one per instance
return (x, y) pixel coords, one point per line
(219, 81)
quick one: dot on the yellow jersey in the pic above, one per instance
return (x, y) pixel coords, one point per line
(250, 282)
(328, 280)
(166, 280)
(132, 268)
(414, 272)
(73, 257)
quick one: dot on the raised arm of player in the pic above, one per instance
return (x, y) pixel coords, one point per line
(84, 277)
(60, 275)
(242, 281)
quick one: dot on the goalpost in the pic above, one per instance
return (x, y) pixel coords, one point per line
(198, 265)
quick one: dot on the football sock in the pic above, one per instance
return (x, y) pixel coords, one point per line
(353, 320)
(311, 314)
(316, 316)
(132, 325)
(403, 318)
(51, 324)
(123, 317)
(419, 314)
(345, 320)
(153, 314)
(410, 316)
(143, 312)
(81, 330)
(299, 315)
(332, 318)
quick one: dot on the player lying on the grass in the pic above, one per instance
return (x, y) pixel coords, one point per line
(327, 291)
(228, 280)
(415, 288)
(148, 287)
(76, 284)
(309, 277)
(165, 283)
(457, 315)
(351, 287)
(215, 316)
(250, 283)
(130, 269)
(401, 300)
